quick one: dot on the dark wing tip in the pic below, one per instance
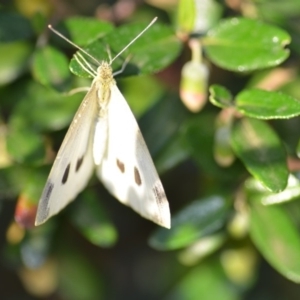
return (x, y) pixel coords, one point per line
(42, 214)
(163, 205)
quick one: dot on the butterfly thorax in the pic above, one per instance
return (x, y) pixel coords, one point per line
(104, 80)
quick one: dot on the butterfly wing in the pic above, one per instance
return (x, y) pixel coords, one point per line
(74, 162)
(127, 169)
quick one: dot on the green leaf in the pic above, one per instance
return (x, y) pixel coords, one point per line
(260, 149)
(14, 58)
(220, 96)
(79, 277)
(153, 51)
(14, 27)
(275, 235)
(199, 219)
(277, 11)
(90, 218)
(25, 145)
(223, 152)
(199, 136)
(257, 191)
(186, 17)
(193, 17)
(245, 45)
(267, 105)
(298, 149)
(34, 179)
(22, 178)
(50, 67)
(206, 282)
(10, 183)
(174, 152)
(162, 122)
(201, 249)
(52, 111)
(83, 30)
(39, 21)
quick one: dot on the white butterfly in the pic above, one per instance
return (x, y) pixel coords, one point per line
(105, 135)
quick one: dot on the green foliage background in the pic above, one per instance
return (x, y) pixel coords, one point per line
(230, 171)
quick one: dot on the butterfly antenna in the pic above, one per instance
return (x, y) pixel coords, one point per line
(73, 44)
(141, 33)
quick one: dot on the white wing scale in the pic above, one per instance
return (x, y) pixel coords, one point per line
(127, 169)
(104, 132)
(74, 162)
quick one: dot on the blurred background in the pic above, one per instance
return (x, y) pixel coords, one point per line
(97, 248)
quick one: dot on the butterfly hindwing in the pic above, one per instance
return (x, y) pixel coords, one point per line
(127, 169)
(74, 162)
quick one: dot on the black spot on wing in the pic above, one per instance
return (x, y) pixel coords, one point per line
(160, 197)
(159, 193)
(79, 163)
(48, 191)
(137, 176)
(66, 174)
(120, 165)
(43, 205)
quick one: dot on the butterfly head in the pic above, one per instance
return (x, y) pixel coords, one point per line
(104, 73)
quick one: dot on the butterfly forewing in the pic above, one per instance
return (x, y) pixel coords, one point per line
(127, 169)
(74, 162)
